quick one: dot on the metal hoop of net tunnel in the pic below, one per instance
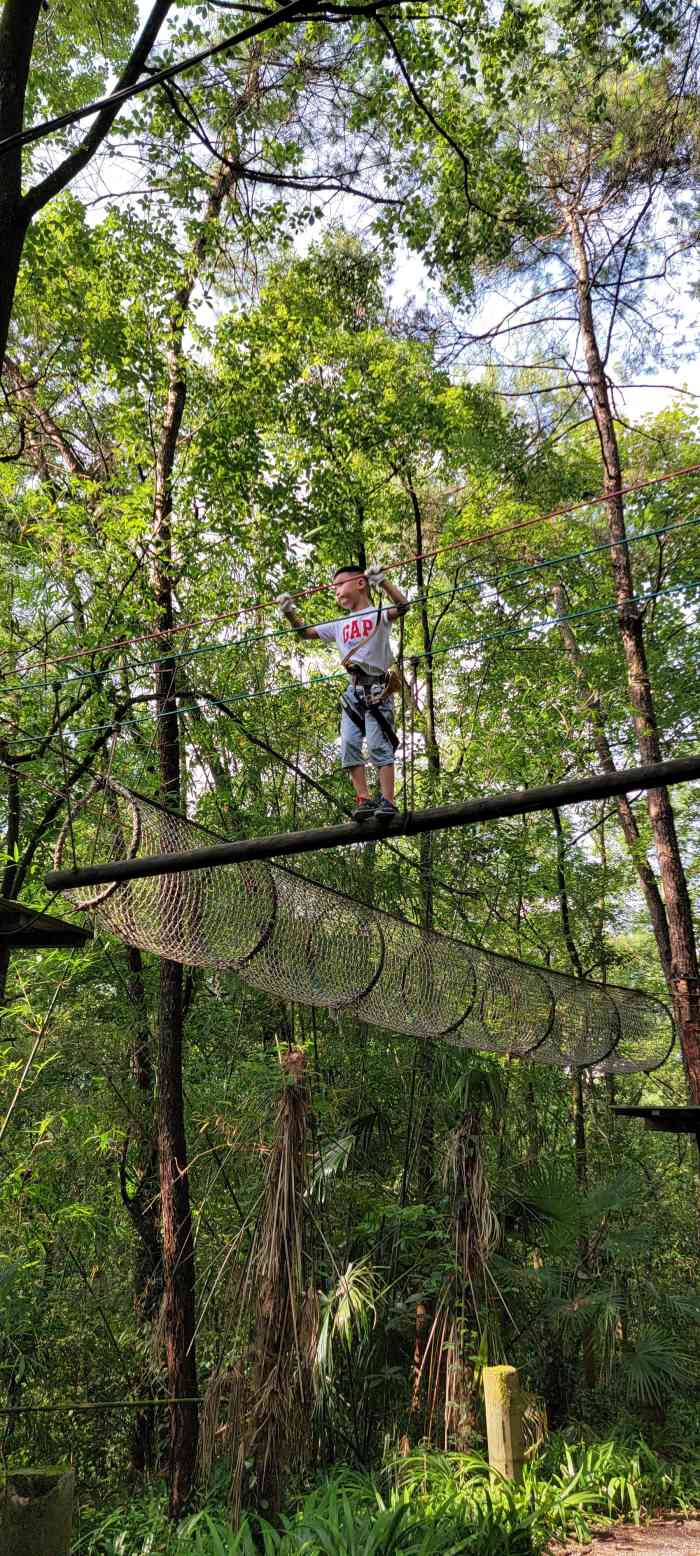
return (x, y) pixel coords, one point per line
(298, 940)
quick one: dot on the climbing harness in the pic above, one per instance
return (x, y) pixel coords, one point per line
(370, 695)
(372, 688)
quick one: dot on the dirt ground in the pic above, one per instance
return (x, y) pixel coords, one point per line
(666, 1537)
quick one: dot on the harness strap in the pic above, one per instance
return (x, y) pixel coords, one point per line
(372, 711)
(356, 718)
(389, 734)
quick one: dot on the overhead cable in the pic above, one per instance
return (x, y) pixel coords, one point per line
(495, 580)
(301, 687)
(302, 594)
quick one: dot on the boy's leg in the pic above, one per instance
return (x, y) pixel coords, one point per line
(352, 758)
(381, 752)
(358, 778)
(387, 782)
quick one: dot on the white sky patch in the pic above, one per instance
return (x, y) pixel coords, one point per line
(113, 176)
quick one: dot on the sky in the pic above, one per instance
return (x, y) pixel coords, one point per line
(652, 391)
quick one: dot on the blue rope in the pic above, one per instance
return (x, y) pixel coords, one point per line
(321, 680)
(496, 579)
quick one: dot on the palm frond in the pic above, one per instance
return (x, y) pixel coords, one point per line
(654, 1365)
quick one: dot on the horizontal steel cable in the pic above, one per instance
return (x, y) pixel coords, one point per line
(255, 606)
(495, 580)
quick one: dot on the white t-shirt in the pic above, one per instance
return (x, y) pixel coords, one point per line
(367, 632)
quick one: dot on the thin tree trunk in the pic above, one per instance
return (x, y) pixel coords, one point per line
(12, 826)
(565, 915)
(176, 1216)
(684, 960)
(422, 1331)
(178, 1248)
(433, 750)
(581, 1160)
(17, 28)
(178, 1245)
(577, 1099)
(142, 1204)
(425, 1149)
(626, 817)
(425, 1154)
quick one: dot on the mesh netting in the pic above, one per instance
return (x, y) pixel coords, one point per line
(301, 941)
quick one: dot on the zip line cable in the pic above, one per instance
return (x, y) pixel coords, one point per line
(301, 689)
(265, 605)
(495, 580)
(295, 10)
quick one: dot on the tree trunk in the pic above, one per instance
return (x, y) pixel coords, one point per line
(581, 1160)
(12, 828)
(17, 28)
(178, 1245)
(684, 960)
(564, 913)
(178, 1248)
(176, 1217)
(13, 230)
(426, 1142)
(142, 1204)
(577, 1100)
(626, 817)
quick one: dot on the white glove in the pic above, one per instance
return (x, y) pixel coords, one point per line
(285, 603)
(375, 575)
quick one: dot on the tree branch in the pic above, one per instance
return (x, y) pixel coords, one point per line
(57, 180)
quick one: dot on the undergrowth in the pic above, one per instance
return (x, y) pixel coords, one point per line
(427, 1504)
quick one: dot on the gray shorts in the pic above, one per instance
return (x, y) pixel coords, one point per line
(380, 750)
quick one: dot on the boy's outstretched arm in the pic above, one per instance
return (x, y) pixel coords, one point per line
(288, 609)
(376, 578)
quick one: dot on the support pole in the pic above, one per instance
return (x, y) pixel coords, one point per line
(504, 1421)
(517, 802)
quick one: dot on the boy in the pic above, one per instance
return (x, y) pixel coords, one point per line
(364, 644)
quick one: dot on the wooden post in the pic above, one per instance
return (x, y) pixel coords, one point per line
(504, 1421)
(36, 1512)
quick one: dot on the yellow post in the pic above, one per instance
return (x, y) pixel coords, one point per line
(504, 1420)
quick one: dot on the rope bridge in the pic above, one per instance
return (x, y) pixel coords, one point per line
(298, 940)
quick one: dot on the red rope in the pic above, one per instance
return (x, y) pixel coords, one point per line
(303, 594)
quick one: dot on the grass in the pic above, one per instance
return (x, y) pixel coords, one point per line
(428, 1504)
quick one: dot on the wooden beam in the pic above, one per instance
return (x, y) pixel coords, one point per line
(671, 1121)
(518, 802)
(24, 928)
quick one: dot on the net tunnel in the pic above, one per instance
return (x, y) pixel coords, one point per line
(298, 940)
